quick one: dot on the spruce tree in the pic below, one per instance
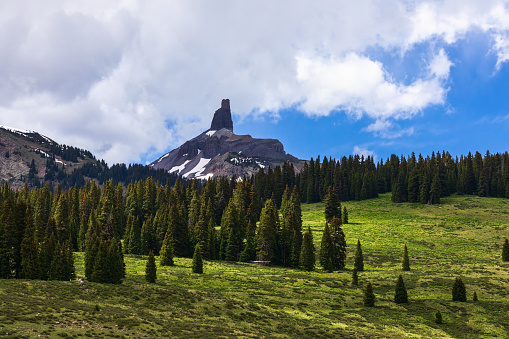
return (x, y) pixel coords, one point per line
(135, 237)
(505, 251)
(369, 296)
(345, 215)
(151, 269)
(338, 244)
(359, 258)
(326, 250)
(406, 261)
(438, 317)
(249, 252)
(435, 190)
(116, 260)
(474, 297)
(267, 232)
(332, 205)
(166, 258)
(355, 277)
(307, 252)
(197, 260)
(400, 295)
(459, 292)
(30, 264)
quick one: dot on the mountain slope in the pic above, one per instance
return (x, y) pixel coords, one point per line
(28, 155)
(220, 152)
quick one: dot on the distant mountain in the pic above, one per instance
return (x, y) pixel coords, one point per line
(27, 156)
(220, 152)
(33, 157)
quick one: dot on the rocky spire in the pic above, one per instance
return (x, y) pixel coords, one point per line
(223, 117)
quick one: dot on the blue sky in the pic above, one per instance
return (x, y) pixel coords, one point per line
(130, 80)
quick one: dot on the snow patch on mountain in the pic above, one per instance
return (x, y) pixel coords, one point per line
(198, 169)
(210, 133)
(164, 156)
(179, 168)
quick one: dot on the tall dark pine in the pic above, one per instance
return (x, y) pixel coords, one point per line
(359, 258)
(151, 269)
(166, 258)
(406, 260)
(332, 205)
(327, 250)
(355, 277)
(369, 296)
(307, 252)
(338, 244)
(459, 292)
(400, 295)
(197, 260)
(344, 216)
(505, 251)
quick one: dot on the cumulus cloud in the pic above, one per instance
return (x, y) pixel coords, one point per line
(131, 79)
(360, 86)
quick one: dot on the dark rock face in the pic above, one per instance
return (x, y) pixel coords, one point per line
(223, 117)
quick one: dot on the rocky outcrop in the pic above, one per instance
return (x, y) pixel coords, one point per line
(223, 117)
(220, 152)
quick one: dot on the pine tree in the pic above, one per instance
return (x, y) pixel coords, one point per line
(267, 232)
(359, 258)
(406, 260)
(166, 258)
(505, 251)
(249, 252)
(197, 260)
(369, 296)
(435, 190)
(332, 205)
(345, 215)
(338, 244)
(474, 297)
(116, 259)
(355, 277)
(459, 292)
(438, 317)
(307, 253)
(151, 269)
(400, 295)
(135, 238)
(30, 262)
(326, 250)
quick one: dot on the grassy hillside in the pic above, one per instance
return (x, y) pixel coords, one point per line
(462, 237)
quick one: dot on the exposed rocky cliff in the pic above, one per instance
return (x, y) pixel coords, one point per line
(220, 152)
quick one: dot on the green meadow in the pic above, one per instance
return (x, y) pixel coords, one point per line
(462, 237)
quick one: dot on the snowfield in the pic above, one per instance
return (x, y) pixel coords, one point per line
(179, 168)
(198, 169)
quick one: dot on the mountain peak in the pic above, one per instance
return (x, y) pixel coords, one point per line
(223, 117)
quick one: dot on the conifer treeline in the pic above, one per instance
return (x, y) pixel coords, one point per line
(428, 179)
(413, 179)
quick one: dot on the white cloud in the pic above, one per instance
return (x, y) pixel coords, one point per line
(110, 76)
(388, 130)
(362, 151)
(360, 86)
